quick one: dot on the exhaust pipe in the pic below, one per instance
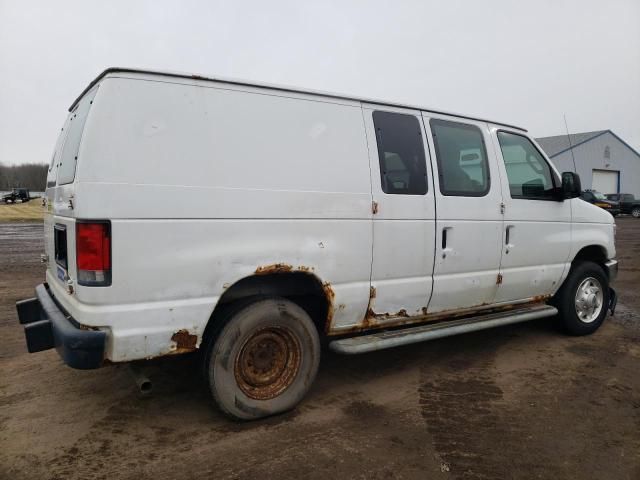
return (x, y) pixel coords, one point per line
(142, 381)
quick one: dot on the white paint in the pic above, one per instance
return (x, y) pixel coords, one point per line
(537, 256)
(403, 237)
(204, 182)
(466, 271)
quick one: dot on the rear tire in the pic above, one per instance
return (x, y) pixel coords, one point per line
(583, 299)
(263, 359)
(635, 212)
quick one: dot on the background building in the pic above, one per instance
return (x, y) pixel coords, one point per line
(603, 160)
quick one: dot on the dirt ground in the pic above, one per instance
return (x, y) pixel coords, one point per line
(522, 401)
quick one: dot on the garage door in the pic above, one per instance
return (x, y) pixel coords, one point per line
(605, 181)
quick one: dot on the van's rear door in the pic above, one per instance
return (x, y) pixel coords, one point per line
(59, 220)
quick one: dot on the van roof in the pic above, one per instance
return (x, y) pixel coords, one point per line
(281, 88)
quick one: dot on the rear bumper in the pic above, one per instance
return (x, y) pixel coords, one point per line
(47, 326)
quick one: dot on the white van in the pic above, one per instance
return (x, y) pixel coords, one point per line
(254, 223)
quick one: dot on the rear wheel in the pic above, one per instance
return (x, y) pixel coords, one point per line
(583, 299)
(635, 212)
(263, 360)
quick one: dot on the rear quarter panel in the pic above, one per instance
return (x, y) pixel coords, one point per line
(206, 184)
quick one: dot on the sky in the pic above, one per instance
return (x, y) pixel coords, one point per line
(524, 62)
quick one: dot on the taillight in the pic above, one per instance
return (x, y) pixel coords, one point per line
(93, 253)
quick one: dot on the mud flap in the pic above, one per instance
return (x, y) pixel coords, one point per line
(613, 301)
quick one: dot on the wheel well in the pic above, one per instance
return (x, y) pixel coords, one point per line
(593, 253)
(302, 288)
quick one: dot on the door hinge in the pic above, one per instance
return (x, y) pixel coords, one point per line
(502, 207)
(374, 207)
(499, 280)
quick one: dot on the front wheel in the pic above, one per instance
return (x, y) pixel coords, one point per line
(583, 299)
(263, 360)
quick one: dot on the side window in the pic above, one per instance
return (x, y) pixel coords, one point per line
(403, 168)
(528, 172)
(463, 169)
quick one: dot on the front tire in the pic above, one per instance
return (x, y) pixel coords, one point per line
(583, 299)
(263, 360)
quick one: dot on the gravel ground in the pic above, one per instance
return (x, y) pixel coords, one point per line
(522, 401)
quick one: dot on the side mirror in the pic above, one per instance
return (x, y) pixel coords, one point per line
(571, 186)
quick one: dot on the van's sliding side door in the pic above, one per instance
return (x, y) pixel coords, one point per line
(404, 214)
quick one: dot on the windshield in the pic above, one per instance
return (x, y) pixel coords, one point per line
(599, 196)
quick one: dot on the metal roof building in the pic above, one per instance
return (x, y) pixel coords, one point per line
(603, 160)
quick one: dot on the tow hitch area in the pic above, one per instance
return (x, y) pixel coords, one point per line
(47, 326)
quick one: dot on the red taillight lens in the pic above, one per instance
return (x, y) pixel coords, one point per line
(93, 253)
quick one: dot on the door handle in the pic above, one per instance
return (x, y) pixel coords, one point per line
(507, 238)
(445, 239)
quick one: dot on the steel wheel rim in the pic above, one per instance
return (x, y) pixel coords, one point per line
(267, 363)
(589, 300)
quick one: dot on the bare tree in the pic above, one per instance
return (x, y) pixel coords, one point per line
(29, 175)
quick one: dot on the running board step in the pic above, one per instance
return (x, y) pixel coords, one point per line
(408, 335)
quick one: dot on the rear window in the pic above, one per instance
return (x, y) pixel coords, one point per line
(75, 127)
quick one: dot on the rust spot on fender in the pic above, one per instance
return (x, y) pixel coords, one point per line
(330, 296)
(274, 268)
(185, 341)
(282, 268)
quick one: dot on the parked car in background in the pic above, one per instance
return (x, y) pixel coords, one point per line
(21, 194)
(303, 218)
(599, 200)
(628, 203)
